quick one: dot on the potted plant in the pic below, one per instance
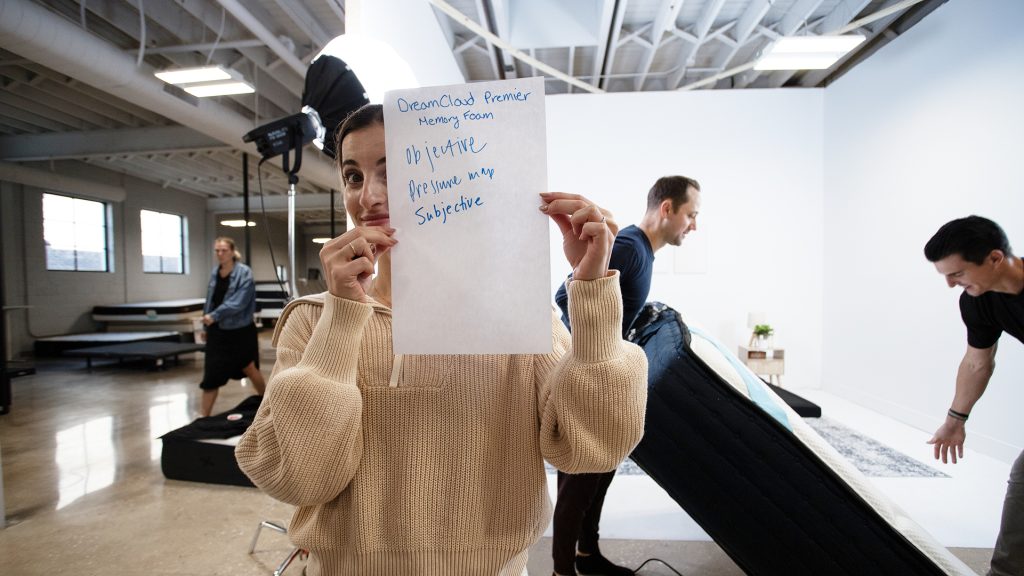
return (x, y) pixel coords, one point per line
(763, 332)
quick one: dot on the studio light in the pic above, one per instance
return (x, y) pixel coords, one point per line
(348, 73)
(321, 240)
(807, 52)
(376, 64)
(288, 133)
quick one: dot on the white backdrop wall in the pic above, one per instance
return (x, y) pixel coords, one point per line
(929, 129)
(758, 157)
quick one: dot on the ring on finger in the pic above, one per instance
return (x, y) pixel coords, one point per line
(603, 218)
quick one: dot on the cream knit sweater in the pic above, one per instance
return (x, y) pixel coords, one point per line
(441, 473)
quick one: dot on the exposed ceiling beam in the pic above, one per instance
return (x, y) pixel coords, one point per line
(664, 19)
(790, 23)
(202, 47)
(13, 101)
(843, 13)
(700, 30)
(506, 47)
(272, 203)
(29, 176)
(745, 26)
(605, 26)
(71, 106)
(40, 35)
(56, 145)
(607, 67)
(492, 51)
(305, 21)
(895, 27)
(243, 15)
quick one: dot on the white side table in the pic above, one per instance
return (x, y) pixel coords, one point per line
(770, 363)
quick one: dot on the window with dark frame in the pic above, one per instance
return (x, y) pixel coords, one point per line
(163, 242)
(75, 232)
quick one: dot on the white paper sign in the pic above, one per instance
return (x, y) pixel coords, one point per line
(470, 273)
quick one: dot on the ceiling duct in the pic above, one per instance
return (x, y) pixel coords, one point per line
(37, 34)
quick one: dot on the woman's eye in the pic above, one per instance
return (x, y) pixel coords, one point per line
(352, 178)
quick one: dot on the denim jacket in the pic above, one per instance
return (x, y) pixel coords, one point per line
(239, 302)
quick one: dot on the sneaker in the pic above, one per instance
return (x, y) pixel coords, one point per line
(598, 565)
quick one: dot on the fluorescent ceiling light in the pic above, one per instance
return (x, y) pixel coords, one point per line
(235, 223)
(321, 240)
(193, 75)
(219, 89)
(807, 52)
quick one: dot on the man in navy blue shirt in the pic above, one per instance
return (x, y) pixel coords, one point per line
(672, 206)
(975, 254)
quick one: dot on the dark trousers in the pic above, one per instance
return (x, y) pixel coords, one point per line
(577, 515)
(1008, 554)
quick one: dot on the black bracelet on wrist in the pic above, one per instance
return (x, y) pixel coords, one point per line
(957, 415)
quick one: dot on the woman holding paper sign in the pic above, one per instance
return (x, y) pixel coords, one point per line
(435, 464)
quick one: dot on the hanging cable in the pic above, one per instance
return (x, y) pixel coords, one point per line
(220, 32)
(142, 35)
(81, 14)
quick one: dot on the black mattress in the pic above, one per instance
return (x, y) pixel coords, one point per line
(758, 480)
(204, 451)
(159, 308)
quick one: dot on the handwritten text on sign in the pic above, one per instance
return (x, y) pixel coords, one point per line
(465, 166)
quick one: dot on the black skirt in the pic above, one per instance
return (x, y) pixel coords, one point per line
(227, 353)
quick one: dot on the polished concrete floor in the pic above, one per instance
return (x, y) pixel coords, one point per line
(84, 493)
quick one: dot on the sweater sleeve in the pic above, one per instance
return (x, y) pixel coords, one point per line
(593, 399)
(305, 444)
(243, 292)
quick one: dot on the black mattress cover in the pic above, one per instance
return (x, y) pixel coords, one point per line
(159, 307)
(763, 494)
(188, 453)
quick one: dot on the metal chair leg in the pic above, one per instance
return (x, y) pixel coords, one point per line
(295, 553)
(265, 524)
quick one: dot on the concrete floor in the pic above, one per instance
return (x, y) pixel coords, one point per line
(85, 495)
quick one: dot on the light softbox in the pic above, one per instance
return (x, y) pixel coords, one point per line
(334, 91)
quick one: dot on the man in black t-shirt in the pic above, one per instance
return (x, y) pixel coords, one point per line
(974, 253)
(672, 206)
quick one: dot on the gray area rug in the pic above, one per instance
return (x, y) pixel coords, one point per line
(871, 457)
(874, 459)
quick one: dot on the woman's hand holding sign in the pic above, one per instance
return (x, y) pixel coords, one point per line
(349, 259)
(588, 232)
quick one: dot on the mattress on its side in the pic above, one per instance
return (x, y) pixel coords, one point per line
(775, 496)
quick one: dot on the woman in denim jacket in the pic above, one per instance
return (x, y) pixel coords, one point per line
(232, 346)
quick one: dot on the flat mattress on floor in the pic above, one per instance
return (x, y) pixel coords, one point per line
(55, 345)
(776, 497)
(165, 310)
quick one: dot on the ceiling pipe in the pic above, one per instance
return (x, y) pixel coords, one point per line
(41, 36)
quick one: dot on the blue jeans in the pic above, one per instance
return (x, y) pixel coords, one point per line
(1008, 555)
